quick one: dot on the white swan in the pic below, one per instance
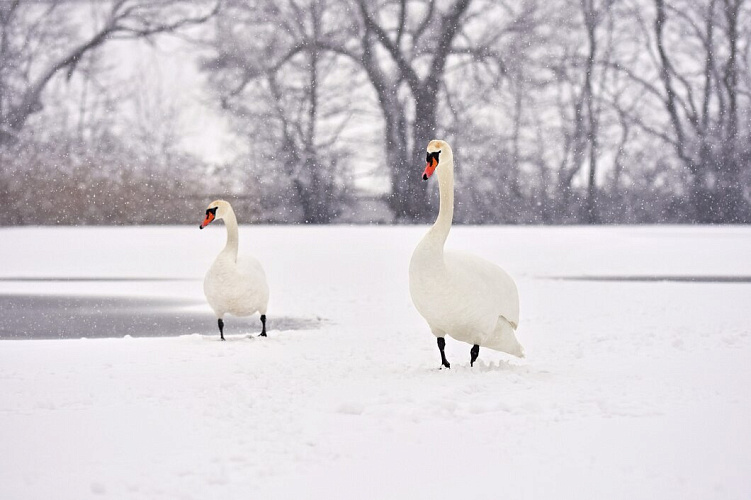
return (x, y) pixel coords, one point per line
(234, 285)
(460, 295)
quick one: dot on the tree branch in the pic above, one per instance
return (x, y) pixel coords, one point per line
(119, 13)
(404, 66)
(665, 74)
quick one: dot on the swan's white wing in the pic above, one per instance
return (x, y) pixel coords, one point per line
(237, 288)
(487, 286)
(252, 272)
(249, 267)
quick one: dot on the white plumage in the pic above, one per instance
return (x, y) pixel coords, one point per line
(234, 284)
(459, 294)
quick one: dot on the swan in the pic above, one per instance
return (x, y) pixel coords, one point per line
(460, 295)
(234, 285)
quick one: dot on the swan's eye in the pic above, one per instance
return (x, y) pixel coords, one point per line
(433, 155)
(211, 211)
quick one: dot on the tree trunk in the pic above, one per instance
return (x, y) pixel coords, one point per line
(397, 158)
(424, 130)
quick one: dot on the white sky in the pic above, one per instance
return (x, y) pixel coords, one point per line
(170, 69)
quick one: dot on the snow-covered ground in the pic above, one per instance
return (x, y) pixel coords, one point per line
(630, 389)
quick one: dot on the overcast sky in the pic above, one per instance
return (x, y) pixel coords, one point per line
(170, 69)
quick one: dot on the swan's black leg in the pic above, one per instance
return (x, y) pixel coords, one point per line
(263, 322)
(441, 345)
(221, 328)
(473, 353)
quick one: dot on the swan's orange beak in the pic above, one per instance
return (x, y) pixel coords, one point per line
(429, 169)
(207, 220)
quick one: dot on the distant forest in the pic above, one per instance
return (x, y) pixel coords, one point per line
(559, 112)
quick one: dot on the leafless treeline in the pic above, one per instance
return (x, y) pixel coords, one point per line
(559, 112)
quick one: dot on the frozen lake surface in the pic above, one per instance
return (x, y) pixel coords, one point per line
(636, 382)
(36, 316)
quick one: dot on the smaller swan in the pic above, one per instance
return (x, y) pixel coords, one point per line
(234, 285)
(459, 294)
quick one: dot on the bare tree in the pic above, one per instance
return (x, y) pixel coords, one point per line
(405, 49)
(39, 40)
(291, 99)
(695, 49)
(562, 111)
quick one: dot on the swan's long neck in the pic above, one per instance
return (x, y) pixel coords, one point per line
(440, 230)
(230, 221)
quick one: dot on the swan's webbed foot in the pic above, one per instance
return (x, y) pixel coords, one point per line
(441, 346)
(473, 353)
(221, 328)
(263, 322)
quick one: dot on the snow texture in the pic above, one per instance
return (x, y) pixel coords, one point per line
(630, 389)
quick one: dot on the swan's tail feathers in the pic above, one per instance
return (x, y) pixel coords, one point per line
(504, 339)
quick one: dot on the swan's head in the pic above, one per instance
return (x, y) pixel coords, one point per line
(216, 210)
(438, 151)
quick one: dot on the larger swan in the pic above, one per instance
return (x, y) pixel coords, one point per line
(234, 285)
(460, 295)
